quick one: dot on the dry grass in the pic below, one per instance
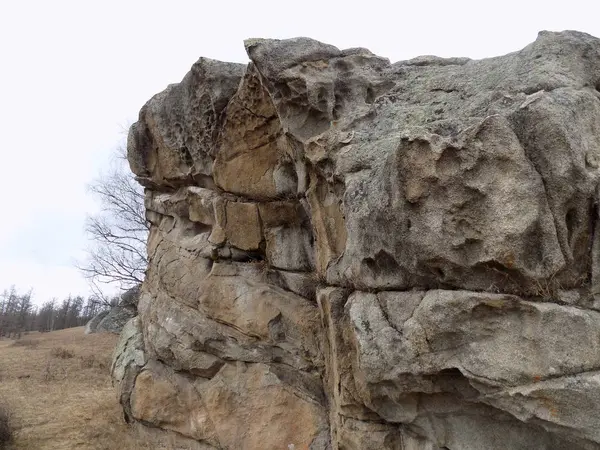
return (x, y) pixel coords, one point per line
(62, 353)
(6, 431)
(59, 393)
(26, 342)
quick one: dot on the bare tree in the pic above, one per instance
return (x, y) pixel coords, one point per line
(17, 312)
(117, 254)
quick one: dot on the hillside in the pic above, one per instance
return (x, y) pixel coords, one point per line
(58, 388)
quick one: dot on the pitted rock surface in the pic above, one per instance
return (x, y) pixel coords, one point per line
(348, 253)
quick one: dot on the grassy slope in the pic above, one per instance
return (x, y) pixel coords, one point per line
(59, 391)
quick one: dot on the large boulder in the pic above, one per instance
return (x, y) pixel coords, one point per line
(92, 325)
(131, 297)
(113, 320)
(348, 253)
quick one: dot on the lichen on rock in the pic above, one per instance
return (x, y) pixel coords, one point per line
(348, 253)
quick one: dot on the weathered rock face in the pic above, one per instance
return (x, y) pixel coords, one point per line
(114, 319)
(351, 254)
(92, 325)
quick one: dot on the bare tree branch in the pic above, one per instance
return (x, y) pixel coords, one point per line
(118, 234)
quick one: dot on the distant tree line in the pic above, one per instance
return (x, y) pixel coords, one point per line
(18, 314)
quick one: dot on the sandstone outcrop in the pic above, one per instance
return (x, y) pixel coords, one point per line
(347, 253)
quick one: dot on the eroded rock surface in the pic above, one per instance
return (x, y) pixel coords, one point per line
(113, 320)
(347, 253)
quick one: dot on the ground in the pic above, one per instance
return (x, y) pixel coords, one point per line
(58, 390)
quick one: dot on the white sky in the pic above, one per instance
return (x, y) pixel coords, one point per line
(71, 72)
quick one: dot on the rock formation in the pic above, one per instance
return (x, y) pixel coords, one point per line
(92, 325)
(114, 319)
(350, 254)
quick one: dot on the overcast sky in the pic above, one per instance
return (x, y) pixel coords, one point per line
(73, 72)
